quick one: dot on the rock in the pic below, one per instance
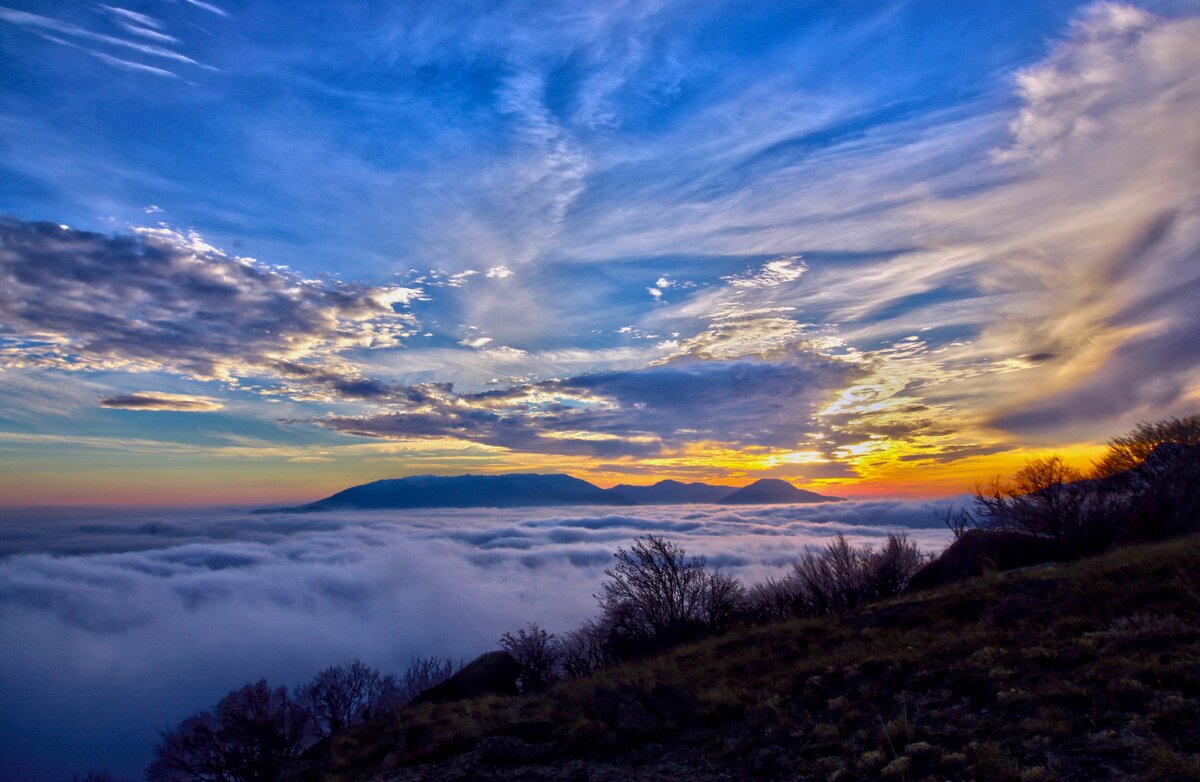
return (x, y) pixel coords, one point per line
(494, 673)
(979, 551)
(622, 708)
(509, 751)
(640, 715)
(537, 731)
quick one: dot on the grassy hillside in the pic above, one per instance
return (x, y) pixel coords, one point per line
(1087, 671)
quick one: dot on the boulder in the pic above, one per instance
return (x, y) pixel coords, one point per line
(494, 673)
(979, 551)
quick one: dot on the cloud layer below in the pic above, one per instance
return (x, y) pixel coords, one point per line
(118, 624)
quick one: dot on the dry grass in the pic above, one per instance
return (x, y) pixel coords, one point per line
(1087, 671)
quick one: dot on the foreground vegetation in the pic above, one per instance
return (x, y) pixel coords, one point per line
(824, 673)
(1085, 671)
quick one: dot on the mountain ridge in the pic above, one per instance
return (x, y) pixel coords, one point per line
(512, 490)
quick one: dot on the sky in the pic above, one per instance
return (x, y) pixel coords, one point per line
(257, 252)
(120, 624)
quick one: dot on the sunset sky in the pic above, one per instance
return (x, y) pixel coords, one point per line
(257, 252)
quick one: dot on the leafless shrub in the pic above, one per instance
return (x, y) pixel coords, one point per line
(537, 652)
(957, 520)
(837, 578)
(583, 651)
(655, 591)
(830, 581)
(423, 673)
(347, 694)
(255, 734)
(773, 600)
(1043, 498)
(1130, 452)
(889, 569)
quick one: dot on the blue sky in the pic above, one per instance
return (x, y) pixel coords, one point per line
(890, 227)
(353, 142)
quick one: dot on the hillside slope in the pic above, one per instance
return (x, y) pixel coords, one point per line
(1087, 671)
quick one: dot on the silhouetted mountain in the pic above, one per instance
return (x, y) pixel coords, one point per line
(469, 491)
(533, 489)
(771, 491)
(670, 492)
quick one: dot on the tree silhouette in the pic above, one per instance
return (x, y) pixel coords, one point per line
(254, 735)
(656, 591)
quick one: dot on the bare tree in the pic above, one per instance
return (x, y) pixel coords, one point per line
(1046, 497)
(1150, 478)
(957, 520)
(537, 652)
(773, 600)
(255, 734)
(656, 591)
(583, 651)
(423, 673)
(831, 580)
(1130, 451)
(343, 695)
(837, 578)
(889, 570)
(722, 601)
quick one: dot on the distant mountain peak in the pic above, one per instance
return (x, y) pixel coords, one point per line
(774, 491)
(470, 491)
(511, 490)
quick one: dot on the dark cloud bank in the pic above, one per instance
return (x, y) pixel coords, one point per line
(158, 299)
(117, 624)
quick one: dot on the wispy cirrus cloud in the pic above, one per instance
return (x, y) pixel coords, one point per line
(143, 26)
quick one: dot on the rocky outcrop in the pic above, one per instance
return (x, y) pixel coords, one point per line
(494, 673)
(979, 551)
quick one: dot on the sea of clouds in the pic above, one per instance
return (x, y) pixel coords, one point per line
(119, 623)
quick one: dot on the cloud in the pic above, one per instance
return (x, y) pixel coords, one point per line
(772, 273)
(119, 623)
(144, 20)
(39, 22)
(129, 65)
(212, 9)
(1094, 244)
(1067, 96)
(160, 300)
(730, 338)
(1050, 294)
(741, 403)
(156, 400)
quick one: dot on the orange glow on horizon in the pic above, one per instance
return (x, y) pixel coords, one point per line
(237, 479)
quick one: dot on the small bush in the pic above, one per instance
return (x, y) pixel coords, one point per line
(254, 734)
(838, 578)
(657, 595)
(583, 651)
(537, 652)
(344, 695)
(423, 673)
